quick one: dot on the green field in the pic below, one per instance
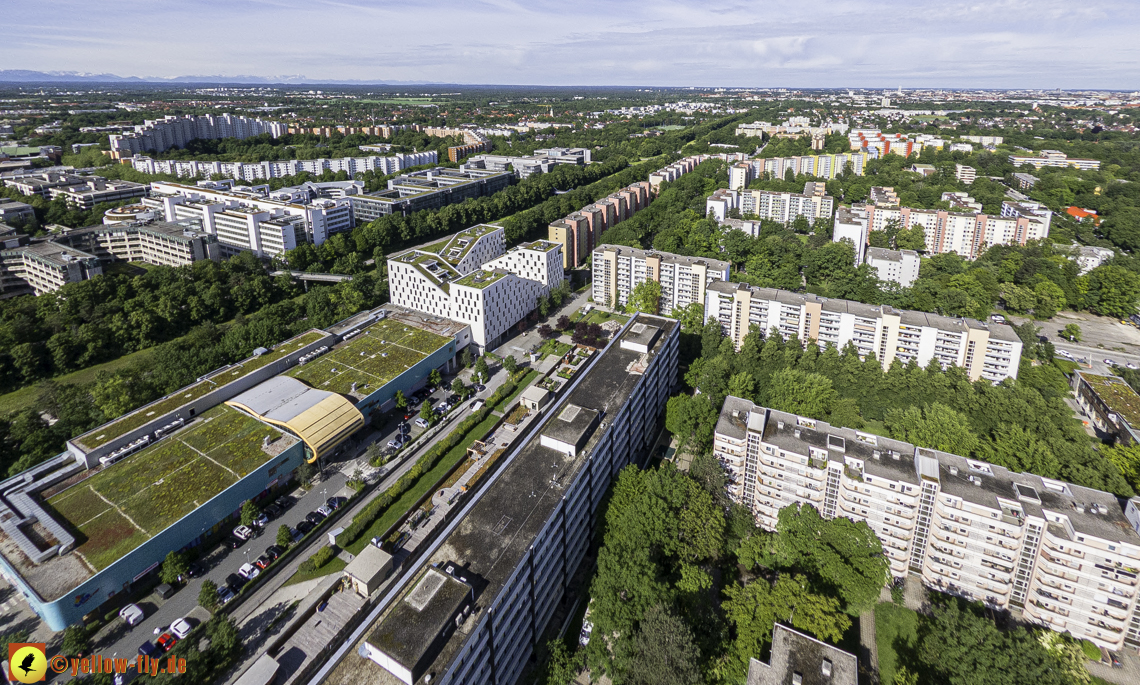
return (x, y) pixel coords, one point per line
(18, 399)
(379, 354)
(120, 507)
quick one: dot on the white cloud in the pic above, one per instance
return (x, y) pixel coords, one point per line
(1045, 43)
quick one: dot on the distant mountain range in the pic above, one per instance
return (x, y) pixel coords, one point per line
(27, 76)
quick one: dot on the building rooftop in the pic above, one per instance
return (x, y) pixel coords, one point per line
(799, 659)
(59, 256)
(1117, 395)
(318, 417)
(481, 278)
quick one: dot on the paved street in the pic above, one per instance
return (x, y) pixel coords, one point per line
(1102, 338)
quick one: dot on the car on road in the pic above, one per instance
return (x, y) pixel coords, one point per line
(1110, 362)
(235, 582)
(335, 502)
(395, 443)
(296, 534)
(305, 526)
(284, 501)
(148, 649)
(181, 628)
(274, 552)
(476, 405)
(587, 631)
(249, 571)
(479, 387)
(225, 594)
(1132, 366)
(196, 570)
(166, 642)
(243, 533)
(324, 511)
(263, 562)
(132, 614)
(272, 511)
(234, 542)
(404, 427)
(453, 399)
(314, 517)
(261, 520)
(1065, 353)
(422, 422)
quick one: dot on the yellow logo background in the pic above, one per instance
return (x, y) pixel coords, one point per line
(37, 667)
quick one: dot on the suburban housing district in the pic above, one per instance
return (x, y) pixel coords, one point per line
(628, 310)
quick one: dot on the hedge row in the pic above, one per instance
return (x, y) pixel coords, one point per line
(321, 557)
(374, 509)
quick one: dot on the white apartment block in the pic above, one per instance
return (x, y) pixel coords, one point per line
(472, 278)
(895, 266)
(965, 233)
(246, 219)
(965, 174)
(175, 131)
(1062, 556)
(1089, 257)
(279, 169)
(44, 267)
(1054, 158)
(618, 269)
(768, 204)
(674, 171)
(820, 166)
(984, 351)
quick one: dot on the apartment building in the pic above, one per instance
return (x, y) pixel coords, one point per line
(428, 189)
(769, 204)
(161, 243)
(1025, 181)
(248, 218)
(984, 351)
(95, 190)
(44, 267)
(458, 152)
(895, 266)
(1059, 555)
(618, 269)
(579, 232)
(175, 131)
(880, 144)
(961, 202)
(11, 210)
(985, 141)
(1110, 404)
(820, 166)
(1053, 158)
(674, 171)
(965, 174)
(254, 171)
(471, 277)
(43, 182)
(1089, 257)
(968, 234)
(541, 162)
(527, 532)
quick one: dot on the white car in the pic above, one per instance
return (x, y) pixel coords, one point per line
(180, 628)
(225, 594)
(1110, 362)
(243, 533)
(324, 511)
(1065, 353)
(584, 636)
(422, 422)
(997, 318)
(249, 571)
(1132, 366)
(132, 614)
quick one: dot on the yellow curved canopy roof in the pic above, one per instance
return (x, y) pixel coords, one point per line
(320, 418)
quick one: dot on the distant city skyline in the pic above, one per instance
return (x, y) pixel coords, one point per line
(1014, 44)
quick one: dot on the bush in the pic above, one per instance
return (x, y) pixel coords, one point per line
(897, 594)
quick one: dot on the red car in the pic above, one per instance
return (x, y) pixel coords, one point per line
(167, 641)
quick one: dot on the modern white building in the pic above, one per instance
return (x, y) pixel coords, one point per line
(769, 204)
(1054, 158)
(618, 269)
(175, 131)
(1059, 555)
(471, 277)
(896, 266)
(984, 351)
(254, 171)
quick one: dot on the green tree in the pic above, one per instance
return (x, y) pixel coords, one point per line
(249, 512)
(510, 364)
(646, 297)
(481, 370)
(173, 568)
(1050, 299)
(934, 425)
(663, 651)
(208, 595)
(691, 316)
(465, 357)
(1072, 331)
(1017, 299)
(426, 413)
(742, 385)
(691, 418)
(305, 473)
(284, 537)
(563, 666)
(798, 392)
(435, 378)
(76, 640)
(459, 388)
(913, 238)
(400, 399)
(1112, 291)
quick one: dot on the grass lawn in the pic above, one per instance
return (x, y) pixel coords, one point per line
(426, 481)
(18, 399)
(554, 347)
(895, 628)
(522, 385)
(334, 565)
(599, 317)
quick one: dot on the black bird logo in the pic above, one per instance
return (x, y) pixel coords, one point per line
(27, 663)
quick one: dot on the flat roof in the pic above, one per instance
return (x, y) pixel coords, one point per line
(115, 509)
(667, 257)
(417, 619)
(321, 418)
(1117, 395)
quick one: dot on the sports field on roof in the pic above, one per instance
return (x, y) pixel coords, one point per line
(122, 506)
(379, 354)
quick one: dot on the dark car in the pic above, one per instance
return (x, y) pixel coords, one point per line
(234, 542)
(284, 501)
(235, 582)
(274, 552)
(334, 502)
(196, 570)
(404, 427)
(479, 387)
(453, 398)
(263, 561)
(305, 526)
(314, 517)
(148, 649)
(272, 511)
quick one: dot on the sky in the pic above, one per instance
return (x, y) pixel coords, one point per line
(747, 43)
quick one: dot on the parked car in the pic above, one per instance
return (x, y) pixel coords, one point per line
(263, 562)
(225, 594)
(234, 542)
(296, 534)
(324, 511)
(314, 517)
(587, 631)
(334, 502)
(166, 642)
(479, 387)
(181, 628)
(284, 501)
(261, 520)
(195, 570)
(395, 443)
(1065, 353)
(1110, 362)
(243, 533)
(452, 399)
(1132, 366)
(274, 552)
(132, 614)
(272, 511)
(249, 571)
(422, 422)
(235, 582)
(148, 649)
(997, 318)
(305, 526)
(476, 405)
(404, 427)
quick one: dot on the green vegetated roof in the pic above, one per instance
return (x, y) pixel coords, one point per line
(143, 415)
(123, 505)
(1118, 395)
(480, 279)
(376, 356)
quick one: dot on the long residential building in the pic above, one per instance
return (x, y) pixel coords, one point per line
(541, 162)
(428, 189)
(984, 351)
(618, 269)
(1059, 555)
(769, 204)
(175, 131)
(674, 171)
(968, 234)
(160, 243)
(1053, 158)
(820, 166)
(482, 600)
(44, 267)
(253, 171)
(471, 277)
(581, 231)
(249, 219)
(96, 190)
